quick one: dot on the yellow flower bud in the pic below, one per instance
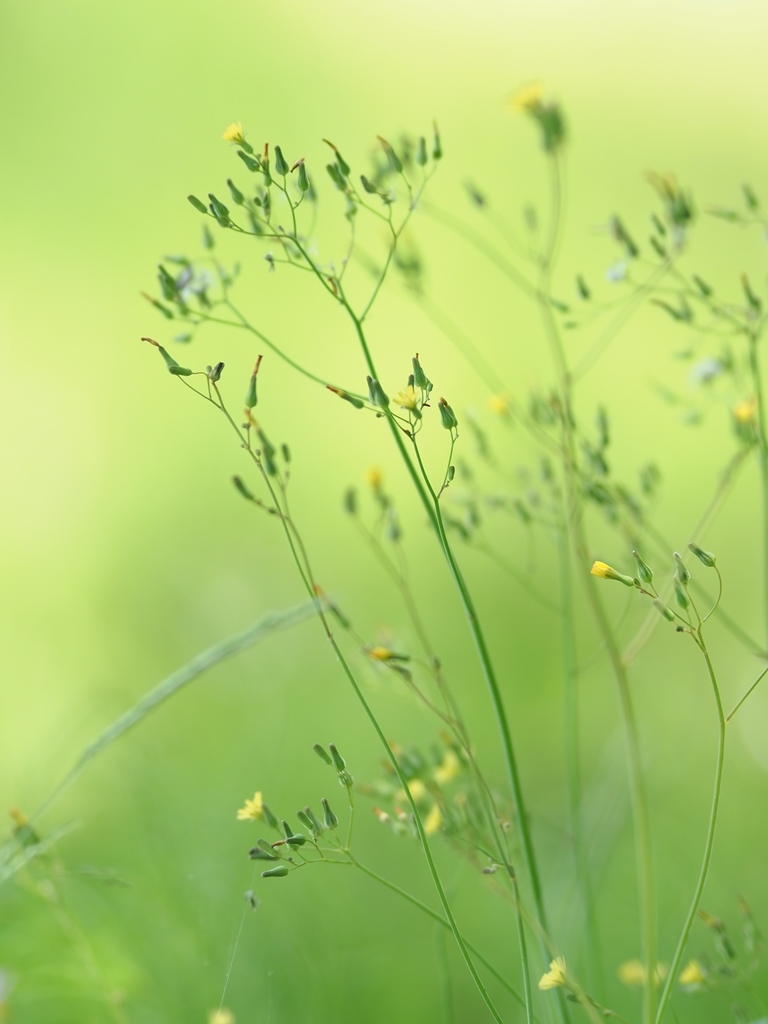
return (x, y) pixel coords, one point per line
(607, 572)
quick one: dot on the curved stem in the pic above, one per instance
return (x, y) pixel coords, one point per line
(300, 559)
(676, 959)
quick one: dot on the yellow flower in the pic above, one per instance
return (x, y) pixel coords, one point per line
(418, 791)
(607, 572)
(234, 133)
(744, 412)
(253, 809)
(222, 1016)
(555, 976)
(449, 769)
(633, 973)
(433, 820)
(499, 404)
(373, 477)
(526, 99)
(691, 974)
(408, 399)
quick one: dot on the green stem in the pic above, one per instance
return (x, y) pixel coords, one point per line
(513, 775)
(573, 770)
(754, 366)
(292, 537)
(441, 921)
(641, 816)
(677, 958)
(432, 507)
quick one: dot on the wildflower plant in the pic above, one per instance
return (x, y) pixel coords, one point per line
(439, 791)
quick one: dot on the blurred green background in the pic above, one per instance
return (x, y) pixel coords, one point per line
(125, 551)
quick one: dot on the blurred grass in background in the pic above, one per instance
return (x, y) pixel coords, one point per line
(125, 550)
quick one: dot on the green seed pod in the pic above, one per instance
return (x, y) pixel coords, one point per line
(681, 573)
(582, 289)
(644, 571)
(335, 176)
(237, 195)
(322, 753)
(208, 241)
(705, 289)
(376, 393)
(269, 817)
(437, 147)
(338, 760)
(343, 166)
(280, 871)
(303, 179)
(180, 371)
(657, 247)
(305, 820)
(242, 489)
(285, 451)
(681, 595)
(662, 609)
(281, 165)
(167, 283)
(317, 826)
(218, 209)
(750, 296)
(420, 378)
(658, 224)
(296, 840)
(329, 818)
(394, 159)
(167, 357)
(368, 185)
(350, 501)
(198, 205)
(750, 199)
(252, 163)
(346, 779)
(358, 404)
(251, 397)
(705, 557)
(258, 854)
(421, 152)
(447, 415)
(450, 474)
(621, 235)
(266, 847)
(286, 829)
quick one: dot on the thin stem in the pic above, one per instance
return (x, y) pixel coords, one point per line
(441, 921)
(496, 699)
(677, 958)
(641, 816)
(754, 366)
(573, 770)
(291, 533)
(744, 697)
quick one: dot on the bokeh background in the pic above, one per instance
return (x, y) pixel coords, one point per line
(125, 551)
